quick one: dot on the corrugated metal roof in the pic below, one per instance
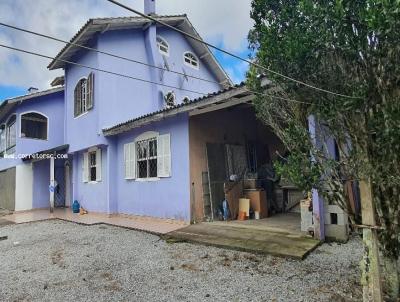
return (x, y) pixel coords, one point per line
(93, 26)
(116, 129)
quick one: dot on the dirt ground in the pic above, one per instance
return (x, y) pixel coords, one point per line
(62, 261)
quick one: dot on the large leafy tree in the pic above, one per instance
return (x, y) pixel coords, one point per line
(352, 48)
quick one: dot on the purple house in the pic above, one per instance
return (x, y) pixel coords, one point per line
(162, 145)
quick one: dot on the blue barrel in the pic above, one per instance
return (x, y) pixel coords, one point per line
(75, 206)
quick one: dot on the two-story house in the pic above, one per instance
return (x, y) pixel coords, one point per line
(159, 138)
(144, 171)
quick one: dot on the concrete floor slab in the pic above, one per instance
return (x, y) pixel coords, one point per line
(148, 224)
(250, 237)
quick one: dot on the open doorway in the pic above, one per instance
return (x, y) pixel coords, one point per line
(231, 158)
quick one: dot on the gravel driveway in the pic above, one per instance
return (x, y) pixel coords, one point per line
(62, 261)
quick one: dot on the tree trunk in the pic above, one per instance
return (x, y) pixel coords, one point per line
(391, 277)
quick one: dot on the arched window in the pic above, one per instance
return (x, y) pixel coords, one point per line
(11, 132)
(34, 125)
(191, 60)
(83, 95)
(163, 46)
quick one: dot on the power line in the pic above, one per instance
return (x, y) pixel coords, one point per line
(99, 69)
(105, 53)
(227, 52)
(138, 79)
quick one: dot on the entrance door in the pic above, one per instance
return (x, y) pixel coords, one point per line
(7, 189)
(59, 193)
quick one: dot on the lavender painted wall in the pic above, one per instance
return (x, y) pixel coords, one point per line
(91, 195)
(166, 197)
(52, 106)
(118, 99)
(83, 131)
(41, 181)
(139, 98)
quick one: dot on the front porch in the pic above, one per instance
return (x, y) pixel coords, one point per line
(147, 224)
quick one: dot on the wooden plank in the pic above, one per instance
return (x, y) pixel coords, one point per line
(372, 287)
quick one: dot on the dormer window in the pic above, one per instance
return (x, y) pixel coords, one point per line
(83, 95)
(163, 46)
(191, 60)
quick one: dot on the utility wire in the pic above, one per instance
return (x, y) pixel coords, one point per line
(105, 53)
(227, 52)
(139, 79)
(99, 69)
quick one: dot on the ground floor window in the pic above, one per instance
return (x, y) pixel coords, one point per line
(91, 165)
(149, 156)
(146, 151)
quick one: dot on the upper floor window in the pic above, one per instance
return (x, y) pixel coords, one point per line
(2, 139)
(191, 60)
(34, 125)
(163, 46)
(83, 95)
(11, 128)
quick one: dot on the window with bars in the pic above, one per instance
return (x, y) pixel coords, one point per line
(163, 46)
(83, 95)
(91, 165)
(11, 133)
(148, 157)
(146, 151)
(2, 139)
(191, 60)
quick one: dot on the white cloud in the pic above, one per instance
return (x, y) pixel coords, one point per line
(222, 21)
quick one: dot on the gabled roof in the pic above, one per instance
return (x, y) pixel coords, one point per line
(99, 25)
(10, 103)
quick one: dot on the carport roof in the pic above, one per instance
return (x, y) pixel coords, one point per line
(217, 100)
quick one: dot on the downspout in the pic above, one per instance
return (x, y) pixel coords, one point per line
(150, 34)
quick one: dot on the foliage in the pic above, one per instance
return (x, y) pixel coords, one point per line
(352, 48)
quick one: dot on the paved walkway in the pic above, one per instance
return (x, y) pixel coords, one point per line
(148, 224)
(256, 236)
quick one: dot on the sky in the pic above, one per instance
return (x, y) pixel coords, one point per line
(224, 23)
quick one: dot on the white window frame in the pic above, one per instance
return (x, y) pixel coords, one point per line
(85, 104)
(86, 165)
(193, 60)
(162, 42)
(20, 125)
(8, 133)
(3, 139)
(163, 156)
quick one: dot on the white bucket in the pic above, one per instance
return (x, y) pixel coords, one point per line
(256, 215)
